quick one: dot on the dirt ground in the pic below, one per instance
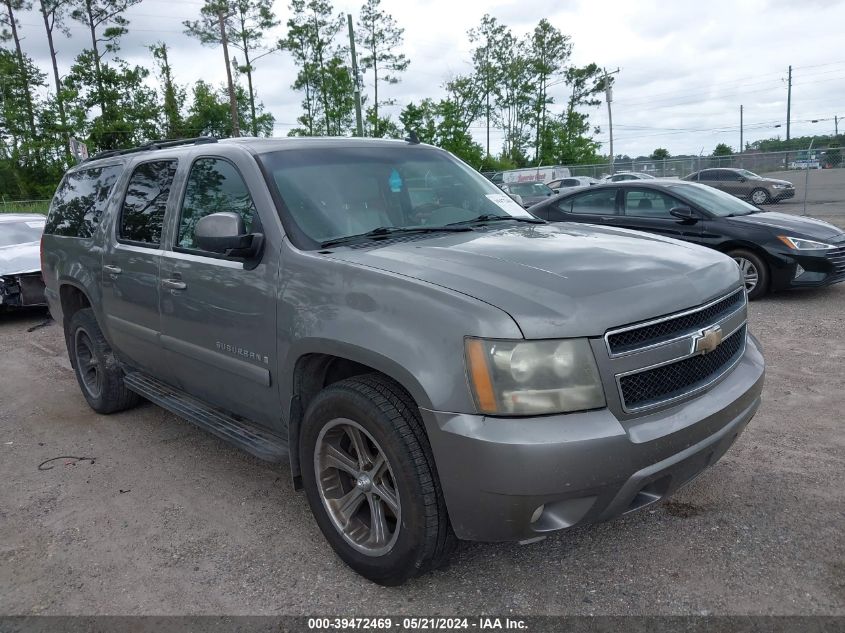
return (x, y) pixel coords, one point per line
(170, 520)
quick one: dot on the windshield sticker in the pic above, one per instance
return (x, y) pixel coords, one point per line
(395, 181)
(508, 204)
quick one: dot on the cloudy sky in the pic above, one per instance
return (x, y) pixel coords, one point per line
(685, 66)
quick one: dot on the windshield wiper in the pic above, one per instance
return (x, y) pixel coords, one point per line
(487, 217)
(383, 231)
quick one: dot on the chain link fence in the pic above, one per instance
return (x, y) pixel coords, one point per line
(680, 166)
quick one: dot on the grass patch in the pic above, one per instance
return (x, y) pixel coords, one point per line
(24, 206)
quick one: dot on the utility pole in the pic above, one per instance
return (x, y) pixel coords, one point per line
(359, 124)
(835, 125)
(608, 94)
(233, 101)
(487, 91)
(788, 101)
(741, 146)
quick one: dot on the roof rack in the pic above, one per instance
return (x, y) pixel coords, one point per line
(161, 144)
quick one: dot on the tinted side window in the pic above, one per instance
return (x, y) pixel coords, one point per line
(711, 175)
(602, 202)
(142, 215)
(648, 204)
(214, 185)
(80, 200)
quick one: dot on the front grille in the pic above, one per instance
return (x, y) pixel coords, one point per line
(666, 382)
(673, 327)
(837, 258)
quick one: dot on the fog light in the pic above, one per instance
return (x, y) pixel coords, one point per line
(537, 513)
(798, 270)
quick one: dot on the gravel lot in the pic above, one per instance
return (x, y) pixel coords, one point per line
(170, 520)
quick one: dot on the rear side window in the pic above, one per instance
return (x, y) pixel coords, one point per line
(79, 202)
(142, 215)
(602, 202)
(214, 185)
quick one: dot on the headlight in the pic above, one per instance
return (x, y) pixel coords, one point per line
(781, 186)
(533, 377)
(800, 244)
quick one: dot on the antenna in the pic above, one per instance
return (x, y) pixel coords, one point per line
(412, 138)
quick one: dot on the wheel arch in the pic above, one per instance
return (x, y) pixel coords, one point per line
(732, 245)
(318, 367)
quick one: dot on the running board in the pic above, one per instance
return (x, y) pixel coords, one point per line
(242, 433)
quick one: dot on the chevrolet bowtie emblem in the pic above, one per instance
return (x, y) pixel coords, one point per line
(707, 340)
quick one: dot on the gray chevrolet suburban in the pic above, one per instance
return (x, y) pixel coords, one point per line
(433, 362)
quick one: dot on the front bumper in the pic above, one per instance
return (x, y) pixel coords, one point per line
(583, 467)
(819, 269)
(22, 290)
(781, 194)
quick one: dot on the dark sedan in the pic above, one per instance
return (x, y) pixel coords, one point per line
(774, 250)
(745, 184)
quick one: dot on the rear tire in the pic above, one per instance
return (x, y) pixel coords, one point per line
(390, 482)
(754, 270)
(98, 372)
(760, 197)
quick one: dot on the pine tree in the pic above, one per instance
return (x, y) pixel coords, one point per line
(246, 23)
(379, 37)
(172, 94)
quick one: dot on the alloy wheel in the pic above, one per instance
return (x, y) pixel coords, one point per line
(750, 274)
(357, 487)
(759, 197)
(87, 364)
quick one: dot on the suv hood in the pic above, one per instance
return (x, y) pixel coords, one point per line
(20, 258)
(563, 279)
(796, 225)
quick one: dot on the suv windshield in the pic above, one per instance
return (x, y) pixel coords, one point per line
(713, 200)
(12, 233)
(335, 193)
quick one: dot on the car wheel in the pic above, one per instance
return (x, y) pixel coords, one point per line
(754, 271)
(98, 373)
(760, 196)
(371, 482)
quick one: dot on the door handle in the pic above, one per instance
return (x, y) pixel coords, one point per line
(173, 284)
(112, 270)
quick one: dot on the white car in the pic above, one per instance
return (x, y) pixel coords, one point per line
(20, 260)
(627, 175)
(573, 181)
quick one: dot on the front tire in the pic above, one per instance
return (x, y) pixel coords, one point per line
(755, 272)
(98, 373)
(371, 482)
(760, 197)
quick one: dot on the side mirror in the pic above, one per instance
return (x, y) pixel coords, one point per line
(556, 190)
(224, 233)
(684, 213)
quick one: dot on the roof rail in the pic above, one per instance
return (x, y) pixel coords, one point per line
(152, 145)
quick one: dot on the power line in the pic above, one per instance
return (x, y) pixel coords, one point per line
(777, 77)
